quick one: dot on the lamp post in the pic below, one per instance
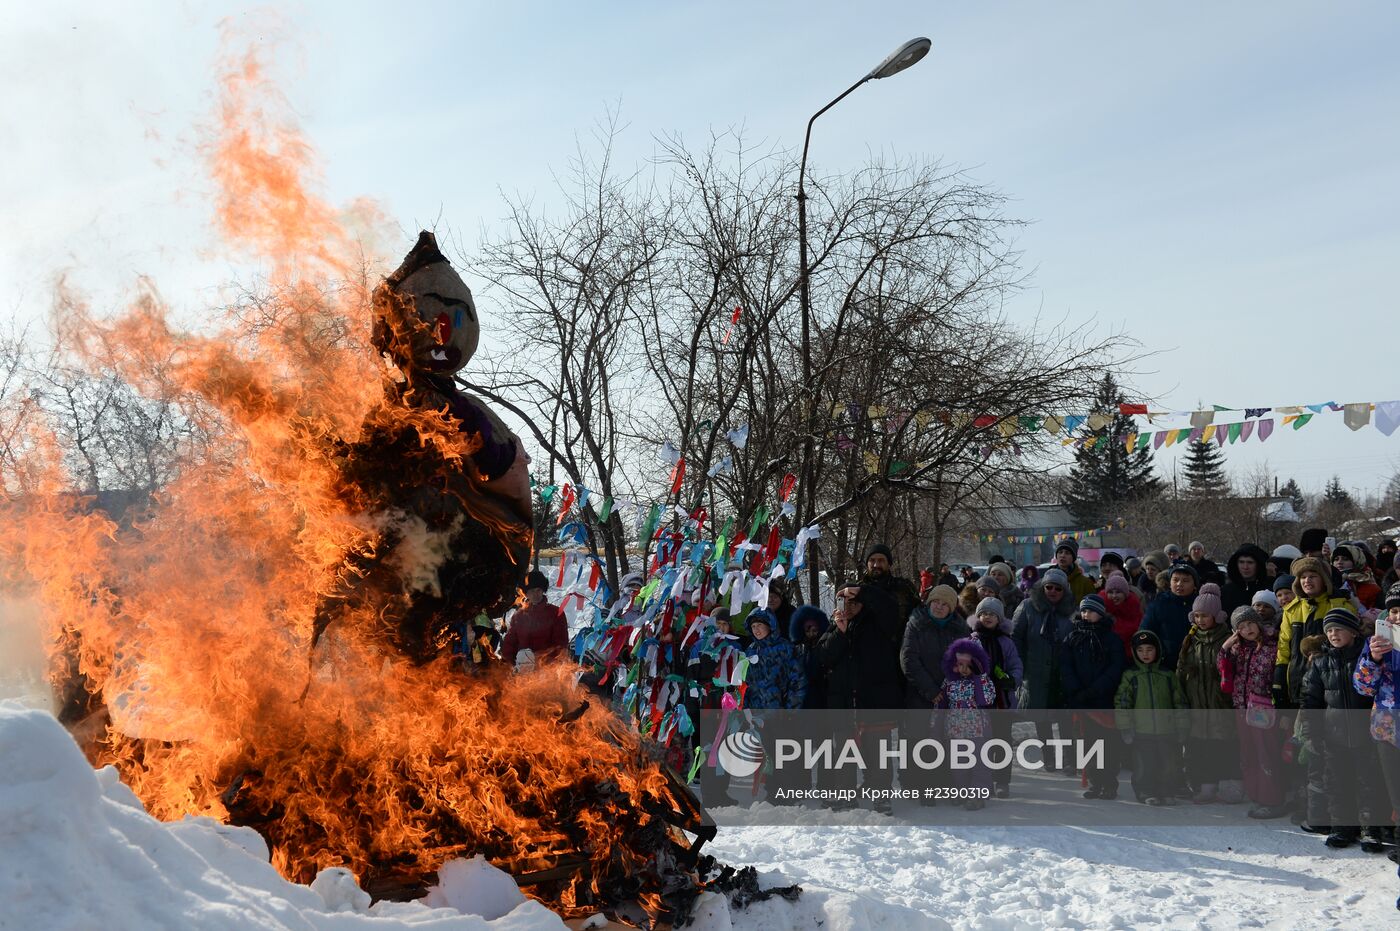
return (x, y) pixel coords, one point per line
(910, 53)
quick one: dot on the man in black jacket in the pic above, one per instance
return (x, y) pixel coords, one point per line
(861, 656)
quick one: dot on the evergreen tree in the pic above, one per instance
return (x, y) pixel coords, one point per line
(1335, 496)
(1105, 474)
(1205, 471)
(1294, 494)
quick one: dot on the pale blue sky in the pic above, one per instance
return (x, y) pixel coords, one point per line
(1220, 180)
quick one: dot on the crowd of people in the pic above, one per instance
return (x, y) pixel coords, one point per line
(1271, 681)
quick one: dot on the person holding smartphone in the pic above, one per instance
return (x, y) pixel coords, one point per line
(1378, 675)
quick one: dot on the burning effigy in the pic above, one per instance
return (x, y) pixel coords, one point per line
(264, 640)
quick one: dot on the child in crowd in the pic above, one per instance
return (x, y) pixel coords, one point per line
(1091, 663)
(966, 694)
(1124, 609)
(1265, 604)
(1309, 802)
(1351, 771)
(1283, 591)
(1169, 614)
(992, 629)
(1378, 675)
(1152, 720)
(1247, 676)
(1211, 760)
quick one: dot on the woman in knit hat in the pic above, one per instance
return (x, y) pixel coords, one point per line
(1009, 595)
(1038, 628)
(1124, 609)
(1212, 764)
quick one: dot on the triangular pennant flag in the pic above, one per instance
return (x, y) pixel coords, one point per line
(606, 512)
(1266, 427)
(1235, 430)
(1171, 437)
(1357, 416)
(1221, 407)
(1316, 408)
(1029, 424)
(1129, 442)
(1159, 438)
(1302, 421)
(1221, 432)
(1246, 430)
(1144, 440)
(1387, 416)
(1194, 433)
(1097, 421)
(1073, 422)
(1053, 425)
(1128, 410)
(1289, 410)
(1253, 412)
(1207, 433)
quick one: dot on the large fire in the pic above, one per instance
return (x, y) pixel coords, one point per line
(191, 624)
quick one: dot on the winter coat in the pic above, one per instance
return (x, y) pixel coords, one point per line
(862, 662)
(965, 698)
(777, 677)
(1010, 599)
(540, 628)
(1363, 585)
(1126, 618)
(1169, 617)
(1238, 590)
(1150, 702)
(926, 640)
(811, 655)
(903, 592)
(1006, 670)
(1038, 629)
(1302, 618)
(1091, 665)
(1381, 681)
(1207, 570)
(1198, 668)
(1248, 669)
(1329, 692)
(1080, 585)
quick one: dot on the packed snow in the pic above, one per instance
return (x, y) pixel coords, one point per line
(78, 851)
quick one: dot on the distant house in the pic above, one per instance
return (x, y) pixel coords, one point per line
(1026, 535)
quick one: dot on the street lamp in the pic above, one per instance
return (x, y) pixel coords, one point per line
(910, 53)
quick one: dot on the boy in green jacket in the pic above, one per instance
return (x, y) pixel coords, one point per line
(1152, 719)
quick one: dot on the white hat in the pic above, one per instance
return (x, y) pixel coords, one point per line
(1287, 551)
(1266, 597)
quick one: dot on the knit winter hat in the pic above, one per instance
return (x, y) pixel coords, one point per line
(1284, 581)
(1209, 588)
(1068, 543)
(761, 617)
(991, 606)
(1116, 583)
(1055, 576)
(1392, 597)
(880, 549)
(986, 581)
(1194, 544)
(1003, 571)
(1132, 564)
(1094, 603)
(1207, 603)
(1266, 598)
(1242, 614)
(943, 594)
(1341, 617)
(1157, 559)
(1171, 548)
(1111, 558)
(1353, 553)
(1286, 551)
(1312, 540)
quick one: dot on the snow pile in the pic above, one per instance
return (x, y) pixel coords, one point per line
(77, 850)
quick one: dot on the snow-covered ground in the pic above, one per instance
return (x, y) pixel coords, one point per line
(78, 851)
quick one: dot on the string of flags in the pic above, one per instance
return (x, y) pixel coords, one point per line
(1056, 537)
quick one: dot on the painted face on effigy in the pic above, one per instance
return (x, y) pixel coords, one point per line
(426, 316)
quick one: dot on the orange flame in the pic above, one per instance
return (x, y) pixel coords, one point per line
(193, 619)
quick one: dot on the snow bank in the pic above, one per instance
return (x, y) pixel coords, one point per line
(78, 851)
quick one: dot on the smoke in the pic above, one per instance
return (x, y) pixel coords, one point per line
(23, 661)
